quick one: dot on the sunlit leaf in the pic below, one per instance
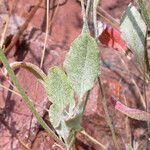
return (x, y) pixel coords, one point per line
(64, 115)
(35, 70)
(131, 112)
(133, 31)
(70, 124)
(59, 93)
(82, 63)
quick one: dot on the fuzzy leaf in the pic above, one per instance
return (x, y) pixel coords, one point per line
(133, 31)
(59, 93)
(82, 63)
(130, 112)
(35, 70)
(70, 125)
(64, 116)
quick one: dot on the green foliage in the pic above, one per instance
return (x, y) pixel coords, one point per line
(133, 31)
(70, 124)
(25, 97)
(35, 70)
(82, 67)
(59, 93)
(82, 63)
(65, 121)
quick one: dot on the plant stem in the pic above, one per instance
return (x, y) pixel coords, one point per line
(107, 114)
(86, 100)
(85, 23)
(88, 7)
(26, 99)
(144, 12)
(23, 27)
(46, 33)
(147, 20)
(95, 3)
(146, 71)
(146, 56)
(100, 85)
(92, 139)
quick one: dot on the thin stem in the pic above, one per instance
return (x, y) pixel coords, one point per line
(106, 18)
(85, 24)
(135, 84)
(144, 12)
(86, 100)
(127, 125)
(47, 29)
(148, 70)
(147, 20)
(3, 34)
(22, 143)
(95, 3)
(23, 27)
(88, 7)
(8, 89)
(107, 114)
(83, 11)
(146, 56)
(93, 140)
(26, 99)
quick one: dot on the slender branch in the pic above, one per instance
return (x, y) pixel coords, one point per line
(144, 12)
(23, 27)
(146, 57)
(107, 114)
(133, 81)
(8, 89)
(85, 23)
(88, 7)
(93, 139)
(46, 36)
(147, 20)
(86, 100)
(95, 3)
(106, 18)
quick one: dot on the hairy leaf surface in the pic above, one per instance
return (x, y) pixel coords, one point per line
(133, 31)
(59, 93)
(35, 70)
(64, 116)
(82, 63)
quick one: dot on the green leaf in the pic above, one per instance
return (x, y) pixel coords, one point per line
(66, 121)
(35, 70)
(70, 124)
(59, 93)
(133, 31)
(82, 63)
